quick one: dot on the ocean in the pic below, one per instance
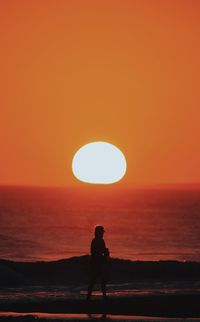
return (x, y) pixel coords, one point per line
(45, 224)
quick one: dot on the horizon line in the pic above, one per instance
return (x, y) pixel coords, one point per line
(104, 186)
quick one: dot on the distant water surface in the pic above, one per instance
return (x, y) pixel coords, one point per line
(141, 224)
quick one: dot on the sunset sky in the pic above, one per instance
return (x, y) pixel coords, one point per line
(73, 72)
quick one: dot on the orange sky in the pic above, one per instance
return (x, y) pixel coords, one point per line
(72, 72)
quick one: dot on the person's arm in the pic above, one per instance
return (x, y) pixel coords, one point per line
(106, 250)
(92, 248)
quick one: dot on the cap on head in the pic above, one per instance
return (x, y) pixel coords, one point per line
(99, 230)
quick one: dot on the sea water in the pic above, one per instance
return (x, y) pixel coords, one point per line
(141, 224)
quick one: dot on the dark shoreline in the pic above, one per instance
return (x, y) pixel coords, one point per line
(158, 306)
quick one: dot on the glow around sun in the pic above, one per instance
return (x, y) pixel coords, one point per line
(99, 163)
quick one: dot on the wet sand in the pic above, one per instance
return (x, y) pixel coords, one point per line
(44, 317)
(176, 306)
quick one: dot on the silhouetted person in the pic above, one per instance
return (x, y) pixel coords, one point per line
(98, 262)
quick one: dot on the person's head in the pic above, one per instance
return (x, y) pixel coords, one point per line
(99, 231)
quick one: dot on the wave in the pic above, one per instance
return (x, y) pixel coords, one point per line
(75, 271)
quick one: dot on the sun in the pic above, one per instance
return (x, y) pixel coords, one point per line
(99, 163)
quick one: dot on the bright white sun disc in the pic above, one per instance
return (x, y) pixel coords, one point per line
(99, 162)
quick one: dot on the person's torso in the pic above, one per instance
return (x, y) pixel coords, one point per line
(97, 248)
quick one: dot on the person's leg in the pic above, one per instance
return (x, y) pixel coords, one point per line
(103, 288)
(103, 280)
(90, 287)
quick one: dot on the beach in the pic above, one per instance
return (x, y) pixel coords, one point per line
(164, 289)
